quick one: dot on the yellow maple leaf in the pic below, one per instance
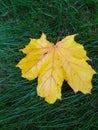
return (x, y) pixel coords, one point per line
(52, 64)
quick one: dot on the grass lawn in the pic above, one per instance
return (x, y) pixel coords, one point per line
(20, 107)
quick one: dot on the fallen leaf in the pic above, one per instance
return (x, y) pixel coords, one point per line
(52, 64)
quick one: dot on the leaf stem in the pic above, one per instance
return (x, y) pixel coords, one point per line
(60, 36)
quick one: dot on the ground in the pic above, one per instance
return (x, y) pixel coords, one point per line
(20, 107)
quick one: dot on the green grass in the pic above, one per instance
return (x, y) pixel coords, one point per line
(20, 107)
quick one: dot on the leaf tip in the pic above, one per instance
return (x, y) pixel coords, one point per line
(16, 65)
(43, 35)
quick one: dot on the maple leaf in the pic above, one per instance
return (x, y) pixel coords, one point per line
(52, 64)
